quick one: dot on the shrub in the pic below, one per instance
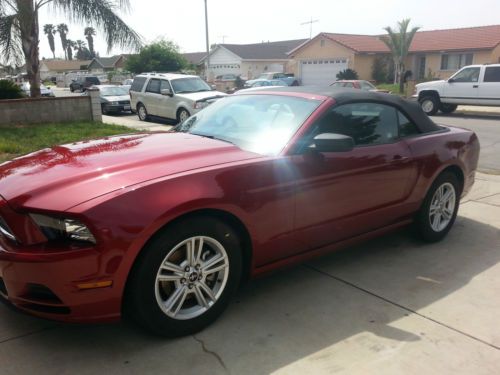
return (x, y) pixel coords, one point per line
(347, 74)
(9, 90)
(383, 69)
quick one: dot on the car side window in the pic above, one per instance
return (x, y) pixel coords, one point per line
(138, 84)
(406, 127)
(468, 75)
(154, 86)
(349, 85)
(165, 85)
(367, 123)
(492, 74)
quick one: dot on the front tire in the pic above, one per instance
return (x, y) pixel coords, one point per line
(448, 108)
(440, 207)
(182, 115)
(429, 104)
(185, 277)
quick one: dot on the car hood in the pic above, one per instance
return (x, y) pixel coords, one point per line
(204, 95)
(115, 98)
(430, 84)
(62, 177)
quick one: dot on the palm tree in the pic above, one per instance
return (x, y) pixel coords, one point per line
(69, 48)
(399, 42)
(62, 29)
(20, 34)
(89, 34)
(50, 31)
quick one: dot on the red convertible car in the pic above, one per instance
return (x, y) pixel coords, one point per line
(163, 227)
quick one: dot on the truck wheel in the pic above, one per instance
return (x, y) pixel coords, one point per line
(448, 108)
(429, 104)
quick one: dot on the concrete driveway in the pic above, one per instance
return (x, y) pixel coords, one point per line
(391, 306)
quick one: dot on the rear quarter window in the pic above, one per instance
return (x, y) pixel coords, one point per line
(138, 84)
(492, 74)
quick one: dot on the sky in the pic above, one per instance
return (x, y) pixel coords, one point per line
(254, 21)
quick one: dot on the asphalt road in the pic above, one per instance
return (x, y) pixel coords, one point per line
(488, 132)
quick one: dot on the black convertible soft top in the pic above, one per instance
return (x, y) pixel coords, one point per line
(344, 95)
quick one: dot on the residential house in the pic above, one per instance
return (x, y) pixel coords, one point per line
(437, 53)
(250, 60)
(51, 68)
(100, 65)
(194, 58)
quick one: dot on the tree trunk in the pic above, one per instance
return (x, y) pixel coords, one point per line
(30, 40)
(402, 79)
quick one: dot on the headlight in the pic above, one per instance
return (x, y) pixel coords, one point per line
(63, 229)
(201, 105)
(113, 103)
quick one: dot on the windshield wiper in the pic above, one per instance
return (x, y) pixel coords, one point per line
(214, 137)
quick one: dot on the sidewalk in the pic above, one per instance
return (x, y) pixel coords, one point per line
(478, 111)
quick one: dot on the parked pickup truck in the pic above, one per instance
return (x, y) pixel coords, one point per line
(288, 78)
(471, 85)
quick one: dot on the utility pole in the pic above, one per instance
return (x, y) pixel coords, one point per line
(310, 23)
(208, 45)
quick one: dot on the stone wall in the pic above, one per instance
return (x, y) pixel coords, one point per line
(44, 110)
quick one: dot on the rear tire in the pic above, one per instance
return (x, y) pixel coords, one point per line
(429, 104)
(440, 207)
(163, 292)
(448, 108)
(142, 113)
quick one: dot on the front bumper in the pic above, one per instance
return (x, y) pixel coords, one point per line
(47, 282)
(117, 107)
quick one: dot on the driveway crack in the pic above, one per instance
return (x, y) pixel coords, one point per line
(212, 353)
(402, 307)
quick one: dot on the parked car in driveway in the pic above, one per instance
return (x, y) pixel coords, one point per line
(114, 99)
(259, 83)
(358, 84)
(288, 78)
(83, 83)
(45, 91)
(471, 85)
(172, 96)
(163, 227)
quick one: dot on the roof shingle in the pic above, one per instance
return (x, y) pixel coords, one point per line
(266, 50)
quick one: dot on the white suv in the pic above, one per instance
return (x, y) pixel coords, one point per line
(471, 85)
(173, 96)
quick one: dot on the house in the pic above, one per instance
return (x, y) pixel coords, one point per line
(194, 58)
(99, 65)
(250, 60)
(50, 68)
(436, 53)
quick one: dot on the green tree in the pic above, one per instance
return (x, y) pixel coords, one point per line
(20, 34)
(399, 42)
(347, 74)
(49, 30)
(160, 56)
(9, 90)
(62, 29)
(89, 34)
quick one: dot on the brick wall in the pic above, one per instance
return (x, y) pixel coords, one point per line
(43, 110)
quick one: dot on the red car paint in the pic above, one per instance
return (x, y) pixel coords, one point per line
(126, 188)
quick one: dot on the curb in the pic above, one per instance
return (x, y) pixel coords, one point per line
(478, 113)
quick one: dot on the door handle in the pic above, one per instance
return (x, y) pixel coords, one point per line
(475, 86)
(400, 158)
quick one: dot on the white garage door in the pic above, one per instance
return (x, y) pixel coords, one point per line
(321, 72)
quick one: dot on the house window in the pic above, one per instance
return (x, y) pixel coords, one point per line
(456, 61)
(322, 43)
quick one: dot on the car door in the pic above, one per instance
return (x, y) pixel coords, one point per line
(343, 194)
(489, 86)
(153, 97)
(462, 88)
(168, 104)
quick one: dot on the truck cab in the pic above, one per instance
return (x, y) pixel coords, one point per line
(472, 85)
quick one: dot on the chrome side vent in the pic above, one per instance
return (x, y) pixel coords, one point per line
(5, 230)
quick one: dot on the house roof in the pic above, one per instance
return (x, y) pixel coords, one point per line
(265, 50)
(476, 38)
(64, 65)
(107, 62)
(194, 57)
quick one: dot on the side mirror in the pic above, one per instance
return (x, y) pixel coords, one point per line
(167, 92)
(451, 80)
(330, 142)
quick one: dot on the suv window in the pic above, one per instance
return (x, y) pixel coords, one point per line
(467, 75)
(165, 85)
(93, 80)
(138, 84)
(154, 86)
(492, 74)
(366, 123)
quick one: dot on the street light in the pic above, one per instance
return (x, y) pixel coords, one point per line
(206, 36)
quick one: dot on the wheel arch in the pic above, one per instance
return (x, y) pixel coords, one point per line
(424, 93)
(453, 168)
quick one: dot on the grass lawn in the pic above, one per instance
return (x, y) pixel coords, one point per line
(21, 139)
(394, 88)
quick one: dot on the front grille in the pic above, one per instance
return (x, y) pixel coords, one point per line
(5, 230)
(126, 102)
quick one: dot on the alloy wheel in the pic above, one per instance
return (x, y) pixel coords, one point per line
(442, 207)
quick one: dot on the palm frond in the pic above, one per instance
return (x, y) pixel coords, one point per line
(10, 39)
(102, 13)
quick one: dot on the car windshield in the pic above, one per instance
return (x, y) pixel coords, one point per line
(264, 76)
(258, 123)
(113, 91)
(187, 85)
